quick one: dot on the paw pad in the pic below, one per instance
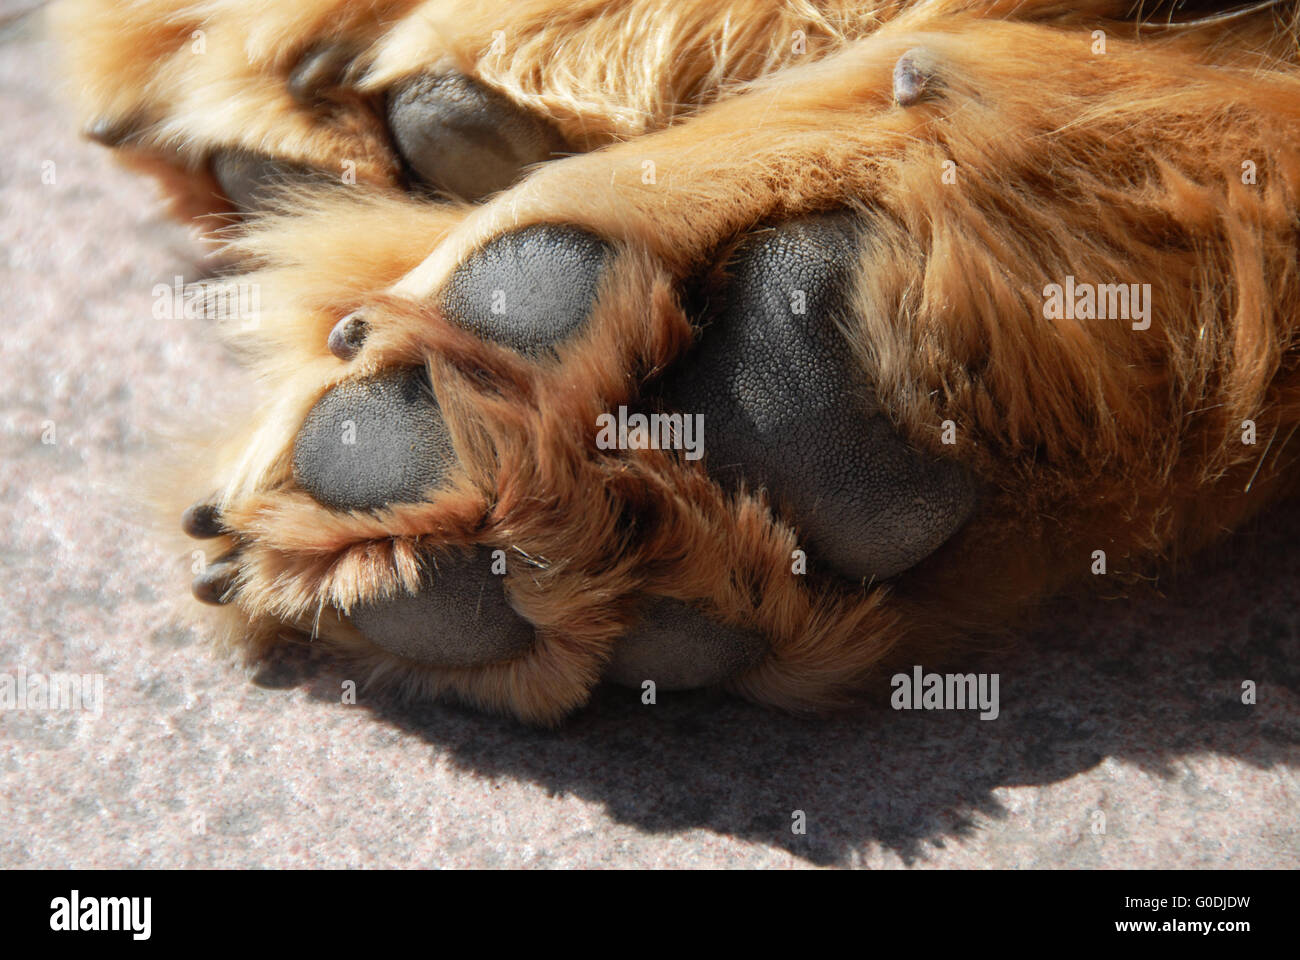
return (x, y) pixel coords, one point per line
(249, 180)
(785, 405)
(463, 138)
(679, 648)
(459, 618)
(529, 289)
(374, 441)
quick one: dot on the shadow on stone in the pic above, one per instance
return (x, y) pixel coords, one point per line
(1146, 681)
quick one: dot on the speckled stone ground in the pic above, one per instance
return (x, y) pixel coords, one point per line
(1125, 713)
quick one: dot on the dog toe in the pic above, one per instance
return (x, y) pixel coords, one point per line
(249, 180)
(463, 138)
(679, 648)
(528, 289)
(459, 618)
(374, 441)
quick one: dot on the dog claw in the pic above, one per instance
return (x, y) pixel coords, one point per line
(202, 521)
(111, 131)
(216, 584)
(348, 336)
(320, 67)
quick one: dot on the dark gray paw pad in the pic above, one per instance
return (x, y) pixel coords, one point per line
(785, 406)
(250, 180)
(679, 648)
(463, 138)
(529, 289)
(459, 618)
(372, 442)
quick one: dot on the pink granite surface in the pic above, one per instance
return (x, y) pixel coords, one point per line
(1130, 708)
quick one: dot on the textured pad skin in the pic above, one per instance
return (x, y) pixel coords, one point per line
(460, 617)
(401, 448)
(785, 405)
(463, 138)
(679, 648)
(248, 179)
(529, 289)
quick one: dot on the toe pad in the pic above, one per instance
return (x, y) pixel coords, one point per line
(460, 617)
(529, 289)
(249, 180)
(374, 441)
(463, 138)
(680, 649)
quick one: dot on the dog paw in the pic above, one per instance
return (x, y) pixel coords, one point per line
(562, 465)
(756, 396)
(228, 107)
(222, 102)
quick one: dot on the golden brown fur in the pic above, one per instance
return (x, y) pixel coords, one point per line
(1086, 435)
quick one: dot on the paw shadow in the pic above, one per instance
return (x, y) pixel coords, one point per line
(1146, 681)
